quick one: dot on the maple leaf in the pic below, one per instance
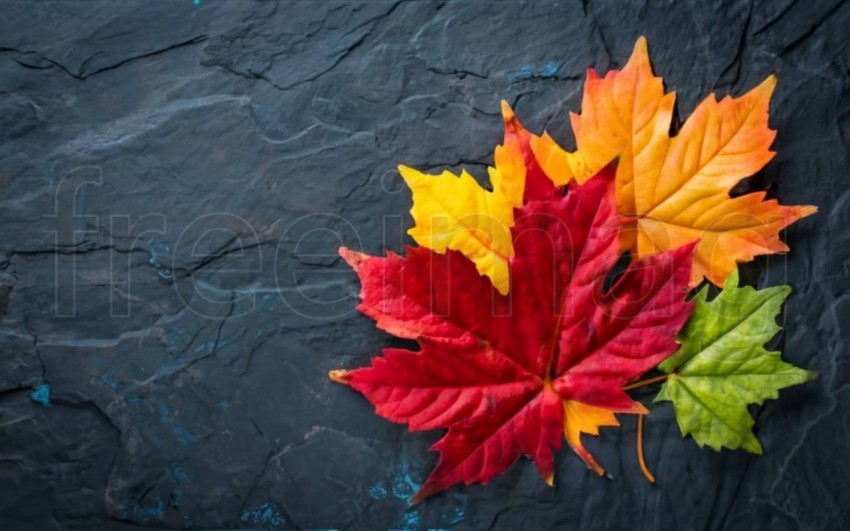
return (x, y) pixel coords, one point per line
(676, 190)
(509, 375)
(453, 212)
(723, 366)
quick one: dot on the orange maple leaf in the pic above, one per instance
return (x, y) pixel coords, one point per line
(676, 189)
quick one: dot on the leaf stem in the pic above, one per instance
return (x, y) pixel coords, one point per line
(648, 381)
(641, 460)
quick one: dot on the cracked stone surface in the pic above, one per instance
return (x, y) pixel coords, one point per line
(175, 179)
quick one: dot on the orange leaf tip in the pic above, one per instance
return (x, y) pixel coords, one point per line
(425, 492)
(638, 409)
(641, 49)
(340, 376)
(512, 125)
(353, 258)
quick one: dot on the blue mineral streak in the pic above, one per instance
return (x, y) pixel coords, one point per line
(41, 394)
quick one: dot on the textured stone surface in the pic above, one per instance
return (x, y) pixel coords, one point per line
(174, 182)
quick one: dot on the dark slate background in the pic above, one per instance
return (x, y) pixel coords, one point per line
(175, 180)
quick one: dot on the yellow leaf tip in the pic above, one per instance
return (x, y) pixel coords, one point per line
(507, 112)
(407, 172)
(550, 479)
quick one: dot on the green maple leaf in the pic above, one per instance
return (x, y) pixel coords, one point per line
(722, 365)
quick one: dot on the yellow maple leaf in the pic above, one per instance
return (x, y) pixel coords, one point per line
(455, 212)
(674, 190)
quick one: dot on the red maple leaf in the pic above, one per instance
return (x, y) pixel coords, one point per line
(500, 371)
